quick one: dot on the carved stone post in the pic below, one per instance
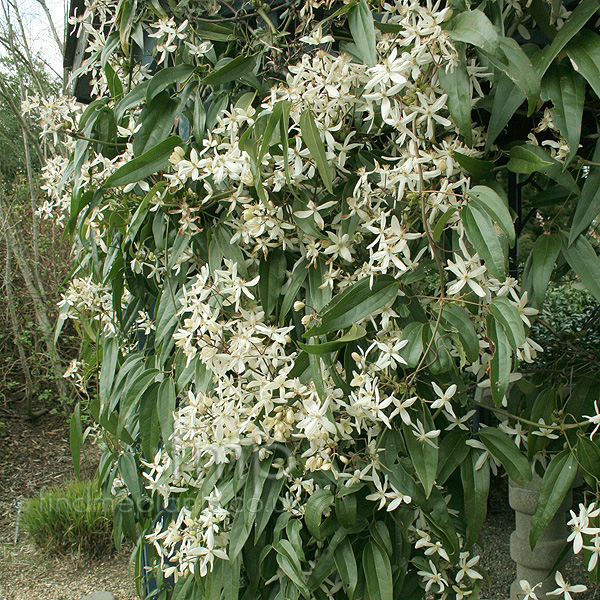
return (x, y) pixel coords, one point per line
(534, 565)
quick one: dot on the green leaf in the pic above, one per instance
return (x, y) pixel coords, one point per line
(268, 503)
(577, 19)
(423, 455)
(381, 536)
(298, 276)
(314, 143)
(582, 258)
(148, 164)
(345, 563)
(214, 31)
(476, 486)
(320, 501)
(501, 363)
(157, 120)
(378, 573)
(524, 160)
(483, 236)
(166, 402)
(126, 12)
(129, 474)
(519, 69)
(502, 448)
(556, 482)
(76, 437)
(588, 206)
(362, 29)
(355, 303)
(167, 77)
(232, 70)
(479, 168)
(290, 565)
(543, 255)
(412, 352)
(272, 275)
(566, 90)
(110, 356)
(473, 27)
(495, 206)
(457, 85)
(453, 451)
(133, 99)
(274, 119)
(345, 510)
(354, 333)
(457, 318)
(436, 234)
(584, 52)
(507, 98)
(508, 315)
(149, 424)
(588, 456)
(245, 517)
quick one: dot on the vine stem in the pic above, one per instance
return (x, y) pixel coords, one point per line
(506, 413)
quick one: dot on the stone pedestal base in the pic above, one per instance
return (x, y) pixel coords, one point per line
(534, 565)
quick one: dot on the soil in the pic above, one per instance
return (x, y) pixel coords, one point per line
(35, 455)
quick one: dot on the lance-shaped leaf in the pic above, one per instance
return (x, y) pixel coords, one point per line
(507, 99)
(378, 572)
(272, 275)
(362, 29)
(157, 120)
(479, 168)
(298, 276)
(495, 207)
(345, 563)
(167, 77)
(355, 303)
(458, 319)
(320, 501)
(473, 27)
(411, 353)
(148, 420)
(289, 563)
(476, 486)
(524, 160)
(167, 399)
(76, 438)
(557, 481)
(501, 363)
(314, 143)
(483, 236)
(423, 454)
(588, 456)
(508, 315)
(582, 258)
(453, 451)
(588, 206)
(355, 333)
(539, 266)
(577, 19)
(145, 165)
(502, 448)
(519, 69)
(566, 89)
(232, 70)
(457, 85)
(584, 52)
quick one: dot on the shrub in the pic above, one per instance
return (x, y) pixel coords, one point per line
(70, 517)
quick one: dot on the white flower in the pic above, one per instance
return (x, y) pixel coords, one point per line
(594, 419)
(564, 588)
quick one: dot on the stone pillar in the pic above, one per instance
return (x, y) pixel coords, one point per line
(534, 565)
